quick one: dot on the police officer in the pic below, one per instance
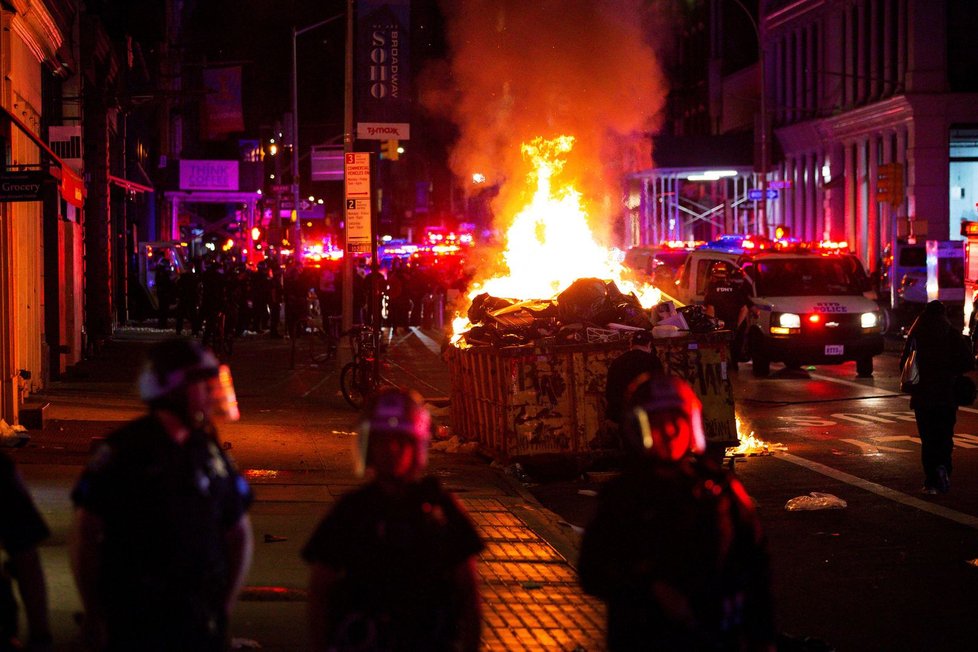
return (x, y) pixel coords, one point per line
(728, 299)
(393, 564)
(162, 540)
(675, 549)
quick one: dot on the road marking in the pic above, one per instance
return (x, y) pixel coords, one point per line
(851, 383)
(870, 449)
(878, 389)
(861, 419)
(432, 345)
(884, 492)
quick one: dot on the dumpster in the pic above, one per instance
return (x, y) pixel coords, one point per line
(523, 401)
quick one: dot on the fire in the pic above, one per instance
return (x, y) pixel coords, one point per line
(751, 445)
(550, 245)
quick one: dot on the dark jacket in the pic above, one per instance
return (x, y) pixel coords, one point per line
(943, 354)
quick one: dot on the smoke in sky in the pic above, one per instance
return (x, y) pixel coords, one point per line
(520, 69)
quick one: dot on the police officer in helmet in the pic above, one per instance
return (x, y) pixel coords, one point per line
(675, 549)
(162, 541)
(392, 564)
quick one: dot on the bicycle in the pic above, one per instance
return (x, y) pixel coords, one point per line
(361, 377)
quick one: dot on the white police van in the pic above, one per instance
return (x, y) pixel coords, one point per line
(811, 305)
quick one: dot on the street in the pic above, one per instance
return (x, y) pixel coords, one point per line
(890, 571)
(893, 570)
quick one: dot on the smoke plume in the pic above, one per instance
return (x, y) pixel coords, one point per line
(521, 69)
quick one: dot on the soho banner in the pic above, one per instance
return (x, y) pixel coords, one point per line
(382, 75)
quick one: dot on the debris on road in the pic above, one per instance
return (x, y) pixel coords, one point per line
(815, 500)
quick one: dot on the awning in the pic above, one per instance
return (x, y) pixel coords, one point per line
(72, 186)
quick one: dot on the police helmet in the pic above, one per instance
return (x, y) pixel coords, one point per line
(663, 417)
(174, 365)
(397, 413)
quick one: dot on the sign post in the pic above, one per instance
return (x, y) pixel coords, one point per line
(357, 194)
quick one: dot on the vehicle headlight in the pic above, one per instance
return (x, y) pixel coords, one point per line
(869, 320)
(789, 320)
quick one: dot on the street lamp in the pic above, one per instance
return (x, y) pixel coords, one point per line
(295, 124)
(763, 111)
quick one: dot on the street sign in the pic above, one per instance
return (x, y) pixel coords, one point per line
(327, 163)
(358, 226)
(357, 177)
(756, 194)
(357, 168)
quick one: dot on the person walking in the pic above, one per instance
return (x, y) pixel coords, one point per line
(639, 359)
(21, 531)
(161, 539)
(942, 354)
(393, 563)
(675, 548)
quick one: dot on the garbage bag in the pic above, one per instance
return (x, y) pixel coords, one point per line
(585, 300)
(483, 304)
(698, 320)
(815, 500)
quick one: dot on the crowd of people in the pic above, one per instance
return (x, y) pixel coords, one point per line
(220, 298)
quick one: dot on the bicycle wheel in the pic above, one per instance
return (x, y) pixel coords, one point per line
(356, 383)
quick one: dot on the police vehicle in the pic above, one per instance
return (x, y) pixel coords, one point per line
(811, 305)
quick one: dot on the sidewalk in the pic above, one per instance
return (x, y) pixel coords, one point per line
(294, 443)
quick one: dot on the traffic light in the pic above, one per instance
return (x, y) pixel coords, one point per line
(889, 183)
(389, 150)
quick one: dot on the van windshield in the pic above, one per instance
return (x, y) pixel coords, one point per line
(818, 275)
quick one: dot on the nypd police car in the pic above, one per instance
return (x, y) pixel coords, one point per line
(811, 305)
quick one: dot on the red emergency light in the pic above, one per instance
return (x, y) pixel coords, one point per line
(815, 318)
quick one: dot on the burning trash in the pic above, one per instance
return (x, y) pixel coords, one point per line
(561, 286)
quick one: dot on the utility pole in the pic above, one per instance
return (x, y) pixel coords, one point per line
(347, 289)
(296, 236)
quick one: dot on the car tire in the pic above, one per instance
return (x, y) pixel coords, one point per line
(864, 367)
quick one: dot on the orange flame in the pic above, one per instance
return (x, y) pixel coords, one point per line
(549, 245)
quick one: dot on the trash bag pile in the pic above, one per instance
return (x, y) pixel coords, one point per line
(589, 310)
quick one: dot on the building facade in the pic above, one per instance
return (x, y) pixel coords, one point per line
(855, 93)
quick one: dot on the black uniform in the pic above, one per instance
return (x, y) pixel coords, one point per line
(396, 557)
(676, 552)
(727, 298)
(165, 509)
(622, 371)
(21, 528)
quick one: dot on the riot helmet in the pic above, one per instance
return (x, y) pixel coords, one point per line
(176, 365)
(393, 436)
(663, 418)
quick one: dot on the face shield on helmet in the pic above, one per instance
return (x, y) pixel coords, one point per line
(173, 368)
(664, 418)
(393, 435)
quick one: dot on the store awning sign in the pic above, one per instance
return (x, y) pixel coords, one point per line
(23, 186)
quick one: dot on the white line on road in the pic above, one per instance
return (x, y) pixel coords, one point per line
(885, 492)
(878, 390)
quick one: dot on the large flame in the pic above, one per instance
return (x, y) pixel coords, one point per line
(549, 244)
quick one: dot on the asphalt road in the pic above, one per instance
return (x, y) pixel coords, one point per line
(894, 569)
